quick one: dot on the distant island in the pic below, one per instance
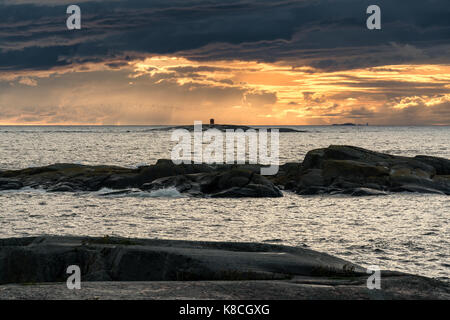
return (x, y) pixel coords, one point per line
(349, 124)
(222, 127)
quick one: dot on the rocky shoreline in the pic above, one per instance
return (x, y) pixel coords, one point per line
(122, 268)
(357, 171)
(344, 170)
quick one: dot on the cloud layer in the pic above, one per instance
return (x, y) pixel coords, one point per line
(325, 34)
(243, 61)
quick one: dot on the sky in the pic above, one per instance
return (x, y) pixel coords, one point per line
(277, 62)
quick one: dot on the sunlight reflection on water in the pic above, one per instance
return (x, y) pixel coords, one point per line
(405, 232)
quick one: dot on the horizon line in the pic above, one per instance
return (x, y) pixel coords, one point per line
(250, 125)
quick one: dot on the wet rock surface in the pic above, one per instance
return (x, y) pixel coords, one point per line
(167, 269)
(357, 171)
(233, 183)
(334, 170)
(10, 184)
(45, 259)
(193, 179)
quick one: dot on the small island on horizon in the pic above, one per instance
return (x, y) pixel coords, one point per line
(350, 124)
(222, 127)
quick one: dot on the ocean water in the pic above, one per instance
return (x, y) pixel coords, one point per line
(404, 232)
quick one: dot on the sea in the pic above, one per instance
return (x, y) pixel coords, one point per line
(404, 232)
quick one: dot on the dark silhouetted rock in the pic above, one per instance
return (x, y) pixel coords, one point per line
(63, 187)
(349, 168)
(327, 170)
(10, 184)
(441, 165)
(46, 260)
(234, 183)
(119, 268)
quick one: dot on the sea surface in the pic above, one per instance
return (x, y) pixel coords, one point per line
(405, 232)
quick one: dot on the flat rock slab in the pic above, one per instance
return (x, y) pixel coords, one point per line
(45, 259)
(404, 287)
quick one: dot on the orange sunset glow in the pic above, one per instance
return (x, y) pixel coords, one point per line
(154, 90)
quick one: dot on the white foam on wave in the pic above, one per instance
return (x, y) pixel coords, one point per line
(107, 192)
(139, 165)
(171, 192)
(104, 191)
(24, 190)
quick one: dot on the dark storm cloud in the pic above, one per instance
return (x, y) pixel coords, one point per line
(325, 34)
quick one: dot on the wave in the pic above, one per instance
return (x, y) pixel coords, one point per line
(171, 192)
(24, 190)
